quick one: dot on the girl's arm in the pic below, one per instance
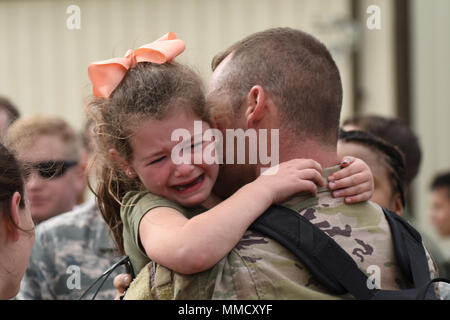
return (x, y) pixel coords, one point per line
(196, 244)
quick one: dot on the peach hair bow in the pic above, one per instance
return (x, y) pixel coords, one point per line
(106, 75)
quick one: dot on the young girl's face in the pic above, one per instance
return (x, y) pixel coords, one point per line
(185, 183)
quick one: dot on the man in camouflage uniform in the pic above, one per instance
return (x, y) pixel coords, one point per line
(72, 249)
(285, 79)
(260, 268)
(50, 150)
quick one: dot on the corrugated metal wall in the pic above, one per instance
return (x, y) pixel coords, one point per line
(43, 64)
(377, 58)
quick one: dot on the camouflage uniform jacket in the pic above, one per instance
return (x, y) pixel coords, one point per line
(260, 268)
(70, 252)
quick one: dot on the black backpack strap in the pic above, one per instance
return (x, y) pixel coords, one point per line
(333, 266)
(409, 250)
(324, 258)
(411, 259)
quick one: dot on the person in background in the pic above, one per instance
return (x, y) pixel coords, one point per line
(16, 225)
(51, 151)
(440, 203)
(386, 163)
(8, 114)
(440, 216)
(397, 133)
(71, 251)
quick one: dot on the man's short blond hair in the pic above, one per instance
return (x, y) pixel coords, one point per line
(26, 130)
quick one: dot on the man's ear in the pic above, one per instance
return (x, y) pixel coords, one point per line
(256, 106)
(12, 230)
(122, 164)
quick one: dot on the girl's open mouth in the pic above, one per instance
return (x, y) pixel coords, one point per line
(191, 185)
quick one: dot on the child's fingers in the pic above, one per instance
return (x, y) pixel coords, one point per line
(354, 167)
(350, 181)
(312, 175)
(348, 160)
(353, 191)
(358, 198)
(307, 185)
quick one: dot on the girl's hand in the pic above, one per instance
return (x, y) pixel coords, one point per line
(291, 177)
(354, 181)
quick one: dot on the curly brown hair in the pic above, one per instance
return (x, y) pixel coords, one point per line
(148, 91)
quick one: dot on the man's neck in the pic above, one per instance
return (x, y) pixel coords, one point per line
(326, 156)
(227, 183)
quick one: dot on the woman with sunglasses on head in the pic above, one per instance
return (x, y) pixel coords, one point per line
(17, 228)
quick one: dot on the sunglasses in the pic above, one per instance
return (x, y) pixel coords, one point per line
(50, 169)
